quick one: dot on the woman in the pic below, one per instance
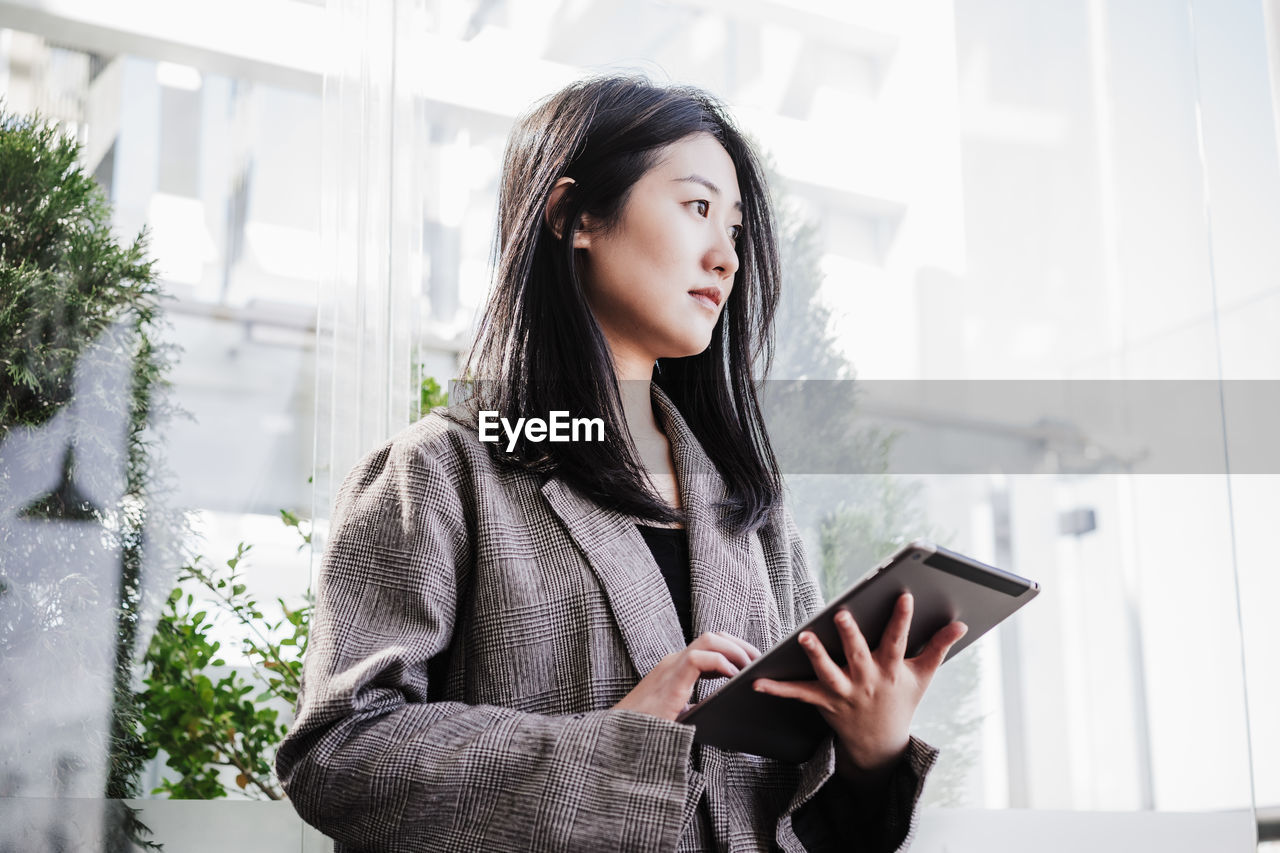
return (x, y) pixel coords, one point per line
(506, 631)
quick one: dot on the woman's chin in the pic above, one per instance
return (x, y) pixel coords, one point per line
(688, 348)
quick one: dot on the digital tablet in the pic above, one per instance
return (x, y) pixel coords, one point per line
(945, 585)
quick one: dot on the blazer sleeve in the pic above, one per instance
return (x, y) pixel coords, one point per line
(838, 816)
(373, 762)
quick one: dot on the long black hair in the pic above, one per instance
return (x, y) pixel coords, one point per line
(539, 348)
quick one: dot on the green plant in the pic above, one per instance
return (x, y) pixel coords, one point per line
(64, 277)
(206, 715)
(430, 395)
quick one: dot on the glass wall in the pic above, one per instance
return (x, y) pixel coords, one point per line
(1027, 260)
(211, 141)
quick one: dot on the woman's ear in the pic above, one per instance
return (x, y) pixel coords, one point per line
(581, 239)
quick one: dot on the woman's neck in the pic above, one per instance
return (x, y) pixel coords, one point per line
(637, 407)
(652, 448)
(635, 372)
(635, 376)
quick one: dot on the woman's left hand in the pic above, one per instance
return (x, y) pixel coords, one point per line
(869, 702)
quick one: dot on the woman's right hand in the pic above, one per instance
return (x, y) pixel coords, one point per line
(665, 691)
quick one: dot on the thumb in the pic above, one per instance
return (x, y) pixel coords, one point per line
(928, 661)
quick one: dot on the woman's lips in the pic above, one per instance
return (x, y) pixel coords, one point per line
(708, 296)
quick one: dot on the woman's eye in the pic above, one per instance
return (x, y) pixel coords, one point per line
(735, 232)
(702, 206)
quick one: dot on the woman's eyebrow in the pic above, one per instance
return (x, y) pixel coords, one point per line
(698, 179)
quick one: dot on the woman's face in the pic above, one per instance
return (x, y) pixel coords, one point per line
(659, 279)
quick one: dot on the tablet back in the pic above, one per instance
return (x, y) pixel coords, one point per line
(946, 586)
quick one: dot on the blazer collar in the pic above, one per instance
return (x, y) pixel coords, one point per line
(730, 589)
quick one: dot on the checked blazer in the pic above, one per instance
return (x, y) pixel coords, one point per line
(476, 623)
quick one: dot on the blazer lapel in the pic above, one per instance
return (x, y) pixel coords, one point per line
(631, 580)
(731, 590)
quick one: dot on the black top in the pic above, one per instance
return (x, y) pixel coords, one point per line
(670, 548)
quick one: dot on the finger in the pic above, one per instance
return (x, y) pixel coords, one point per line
(718, 643)
(893, 643)
(857, 653)
(708, 663)
(811, 692)
(832, 676)
(752, 651)
(928, 661)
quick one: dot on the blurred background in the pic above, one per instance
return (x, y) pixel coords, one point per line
(982, 200)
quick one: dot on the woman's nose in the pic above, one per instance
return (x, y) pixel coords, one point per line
(723, 257)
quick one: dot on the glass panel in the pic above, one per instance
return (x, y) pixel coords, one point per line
(1239, 120)
(372, 301)
(995, 193)
(220, 161)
